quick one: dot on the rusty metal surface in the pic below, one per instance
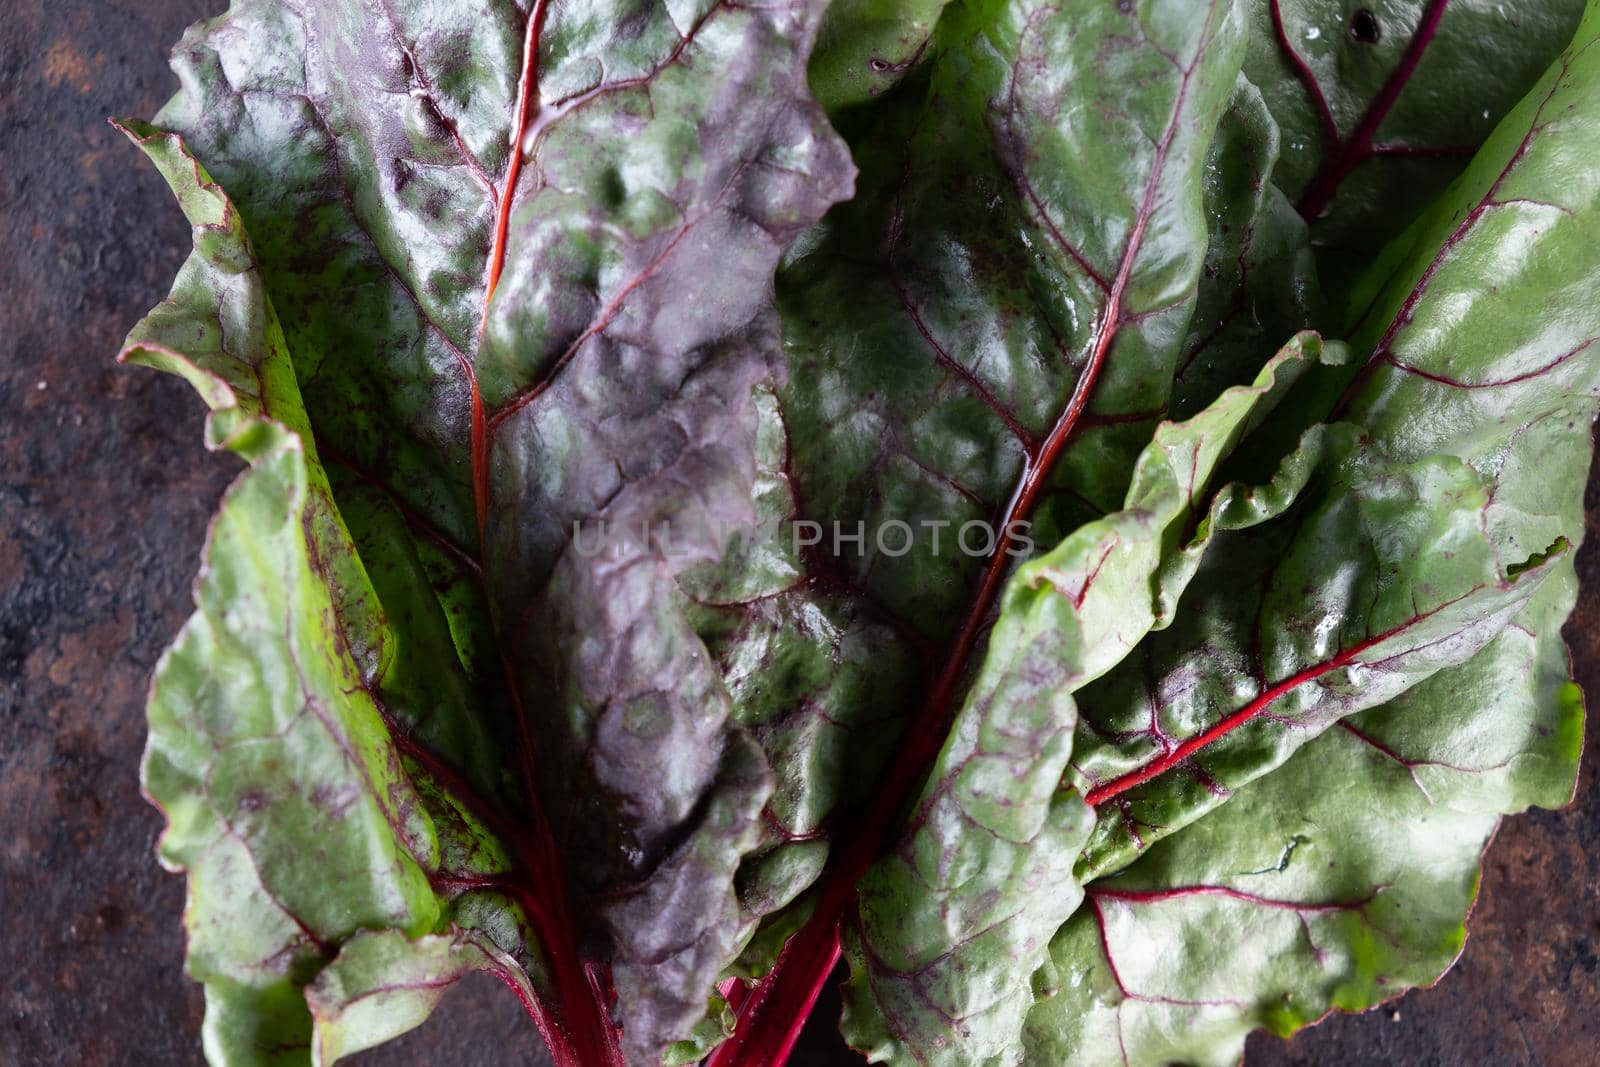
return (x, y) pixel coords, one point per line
(104, 496)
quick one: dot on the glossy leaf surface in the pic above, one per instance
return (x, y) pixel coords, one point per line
(1380, 104)
(682, 543)
(1404, 550)
(954, 922)
(399, 168)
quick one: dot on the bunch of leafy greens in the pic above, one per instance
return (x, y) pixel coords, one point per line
(695, 529)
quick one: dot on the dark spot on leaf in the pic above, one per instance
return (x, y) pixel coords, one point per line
(1364, 27)
(400, 173)
(878, 64)
(612, 190)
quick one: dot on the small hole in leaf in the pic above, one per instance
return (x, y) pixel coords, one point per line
(878, 63)
(1364, 27)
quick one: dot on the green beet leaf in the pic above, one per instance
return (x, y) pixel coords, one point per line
(1066, 506)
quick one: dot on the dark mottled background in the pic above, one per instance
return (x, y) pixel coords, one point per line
(104, 496)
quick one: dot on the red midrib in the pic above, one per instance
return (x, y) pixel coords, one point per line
(527, 91)
(1381, 352)
(811, 953)
(1181, 892)
(580, 1033)
(1358, 147)
(772, 1014)
(1229, 723)
(1224, 726)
